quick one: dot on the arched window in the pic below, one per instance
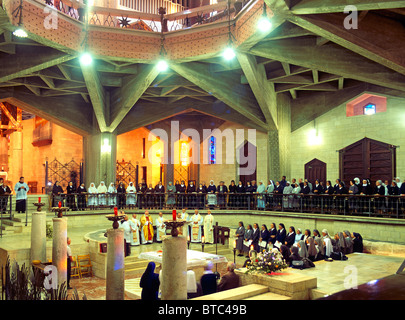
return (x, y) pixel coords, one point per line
(366, 104)
(212, 150)
(369, 109)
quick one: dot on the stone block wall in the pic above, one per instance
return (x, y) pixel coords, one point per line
(336, 131)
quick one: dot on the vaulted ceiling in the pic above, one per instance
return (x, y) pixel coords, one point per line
(309, 56)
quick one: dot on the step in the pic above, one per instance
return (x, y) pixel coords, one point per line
(269, 296)
(132, 288)
(239, 293)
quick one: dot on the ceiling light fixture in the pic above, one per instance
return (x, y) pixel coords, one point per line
(229, 52)
(264, 24)
(162, 64)
(20, 31)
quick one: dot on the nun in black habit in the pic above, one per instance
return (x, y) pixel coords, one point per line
(240, 232)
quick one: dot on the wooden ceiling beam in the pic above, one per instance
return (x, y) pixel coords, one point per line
(97, 94)
(377, 38)
(227, 89)
(124, 98)
(306, 53)
(329, 6)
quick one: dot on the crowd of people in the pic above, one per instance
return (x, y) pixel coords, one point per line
(210, 282)
(295, 244)
(146, 230)
(283, 194)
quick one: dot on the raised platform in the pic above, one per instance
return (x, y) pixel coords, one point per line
(294, 285)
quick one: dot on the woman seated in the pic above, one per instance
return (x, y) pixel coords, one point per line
(302, 249)
(357, 240)
(348, 240)
(290, 238)
(298, 236)
(294, 256)
(312, 250)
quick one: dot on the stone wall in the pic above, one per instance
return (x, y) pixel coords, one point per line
(65, 146)
(336, 131)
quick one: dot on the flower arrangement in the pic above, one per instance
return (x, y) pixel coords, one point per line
(266, 262)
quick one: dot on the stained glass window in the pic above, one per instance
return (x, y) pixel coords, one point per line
(212, 150)
(369, 109)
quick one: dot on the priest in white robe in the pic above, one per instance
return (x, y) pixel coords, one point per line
(196, 223)
(127, 226)
(21, 189)
(183, 215)
(209, 227)
(131, 195)
(136, 224)
(160, 227)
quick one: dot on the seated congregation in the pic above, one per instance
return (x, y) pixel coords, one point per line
(295, 245)
(210, 282)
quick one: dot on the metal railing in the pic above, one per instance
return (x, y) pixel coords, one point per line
(6, 206)
(356, 205)
(147, 18)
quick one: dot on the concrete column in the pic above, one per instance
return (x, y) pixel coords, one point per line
(278, 146)
(100, 158)
(59, 248)
(174, 268)
(3, 153)
(273, 150)
(17, 154)
(38, 236)
(115, 285)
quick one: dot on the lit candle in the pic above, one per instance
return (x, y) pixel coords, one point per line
(203, 239)
(39, 200)
(60, 204)
(115, 211)
(234, 244)
(188, 238)
(174, 214)
(252, 247)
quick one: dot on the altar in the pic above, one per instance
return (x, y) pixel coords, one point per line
(196, 260)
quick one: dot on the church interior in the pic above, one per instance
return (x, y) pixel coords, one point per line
(140, 119)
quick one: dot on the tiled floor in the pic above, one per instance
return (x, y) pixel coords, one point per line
(332, 276)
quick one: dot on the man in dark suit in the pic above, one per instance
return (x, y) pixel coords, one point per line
(229, 280)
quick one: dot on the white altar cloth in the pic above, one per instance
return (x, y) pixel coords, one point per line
(194, 258)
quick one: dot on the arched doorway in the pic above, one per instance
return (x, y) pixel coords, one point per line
(315, 169)
(368, 158)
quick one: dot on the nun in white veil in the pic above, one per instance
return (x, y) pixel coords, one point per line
(102, 190)
(92, 191)
(112, 195)
(328, 247)
(192, 287)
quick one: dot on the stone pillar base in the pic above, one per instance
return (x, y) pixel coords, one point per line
(174, 268)
(59, 248)
(115, 288)
(38, 236)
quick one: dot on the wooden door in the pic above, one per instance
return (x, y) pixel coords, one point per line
(315, 169)
(368, 158)
(251, 159)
